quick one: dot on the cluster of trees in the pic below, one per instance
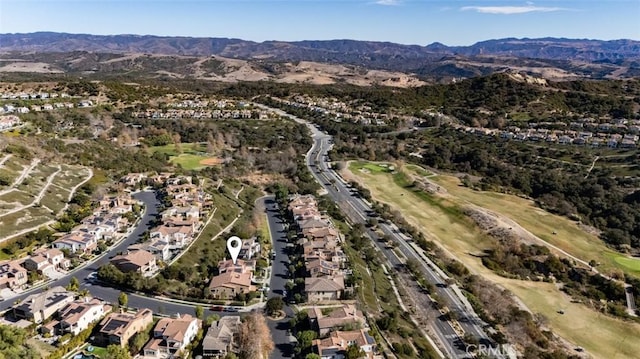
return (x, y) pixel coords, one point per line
(19, 151)
(533, 261)
(79, 88)
(80, 206)
(41, 236)
(104, 155)
(13, 343)
(601, 199)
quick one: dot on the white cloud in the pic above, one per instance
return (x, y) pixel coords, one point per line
(388, 2)
(509, 10)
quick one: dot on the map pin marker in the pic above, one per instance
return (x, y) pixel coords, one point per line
(234, 244)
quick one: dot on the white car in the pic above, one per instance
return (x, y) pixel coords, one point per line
(92, 276)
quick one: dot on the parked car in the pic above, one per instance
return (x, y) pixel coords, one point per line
(217, 308)
(231, 309)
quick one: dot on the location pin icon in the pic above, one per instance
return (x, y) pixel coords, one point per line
(234, 244)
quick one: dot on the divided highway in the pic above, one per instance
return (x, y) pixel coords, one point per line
(357, 211)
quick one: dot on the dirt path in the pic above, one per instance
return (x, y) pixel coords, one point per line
(591, 168)
(39, 197)
(23, 175)
(4, 159)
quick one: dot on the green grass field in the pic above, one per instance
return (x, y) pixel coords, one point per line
(569, 236)
(419, 170)
(632, 264)
(226, 211)
(190, 158)
(440, 219)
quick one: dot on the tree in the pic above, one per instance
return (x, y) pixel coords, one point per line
(123, 299)
(138, 341)
(211, 318)
(199, 311)
(178, 144)
(312, 356)
(73, 285)
(13, 345)
(255, 339)
(274, 305)
(305, 339)
(115, 351)
(354, 352)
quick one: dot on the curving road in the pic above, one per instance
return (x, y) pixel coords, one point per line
(158, 305)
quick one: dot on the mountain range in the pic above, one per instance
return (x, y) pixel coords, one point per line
(553, 58)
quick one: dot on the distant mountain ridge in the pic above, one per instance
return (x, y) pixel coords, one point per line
(319, 50)
(551, 58)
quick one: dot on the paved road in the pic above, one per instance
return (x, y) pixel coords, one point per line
(111, 294)
(279, 276)
(357, 211)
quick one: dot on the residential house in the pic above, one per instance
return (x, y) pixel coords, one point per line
(241, 266)
(12, 275)
(182, 212)
(132, 179)
(177, 236)
(97, 231)
(41, 306)
(39, 264)
(10, 121)
(118, 328)
(227, 285)
(563, 140)
(323, 249)
(324, 319)
(324, 288)
(313, 223)
(326, 233)
(336, 345)
(172, 335)
(54, 256)
(191, 224)
(46, 261)
(250, 248)
(221, 338)
(303, 201)
(140, 261)
(77, 242)
(80, 314)
(322, 268)
(158, 247)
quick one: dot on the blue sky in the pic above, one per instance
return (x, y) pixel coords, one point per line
(419, 22)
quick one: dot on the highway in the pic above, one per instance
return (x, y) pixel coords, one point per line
(357, 211)
(110, 294)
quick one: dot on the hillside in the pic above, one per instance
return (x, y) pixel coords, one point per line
(548, 57)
